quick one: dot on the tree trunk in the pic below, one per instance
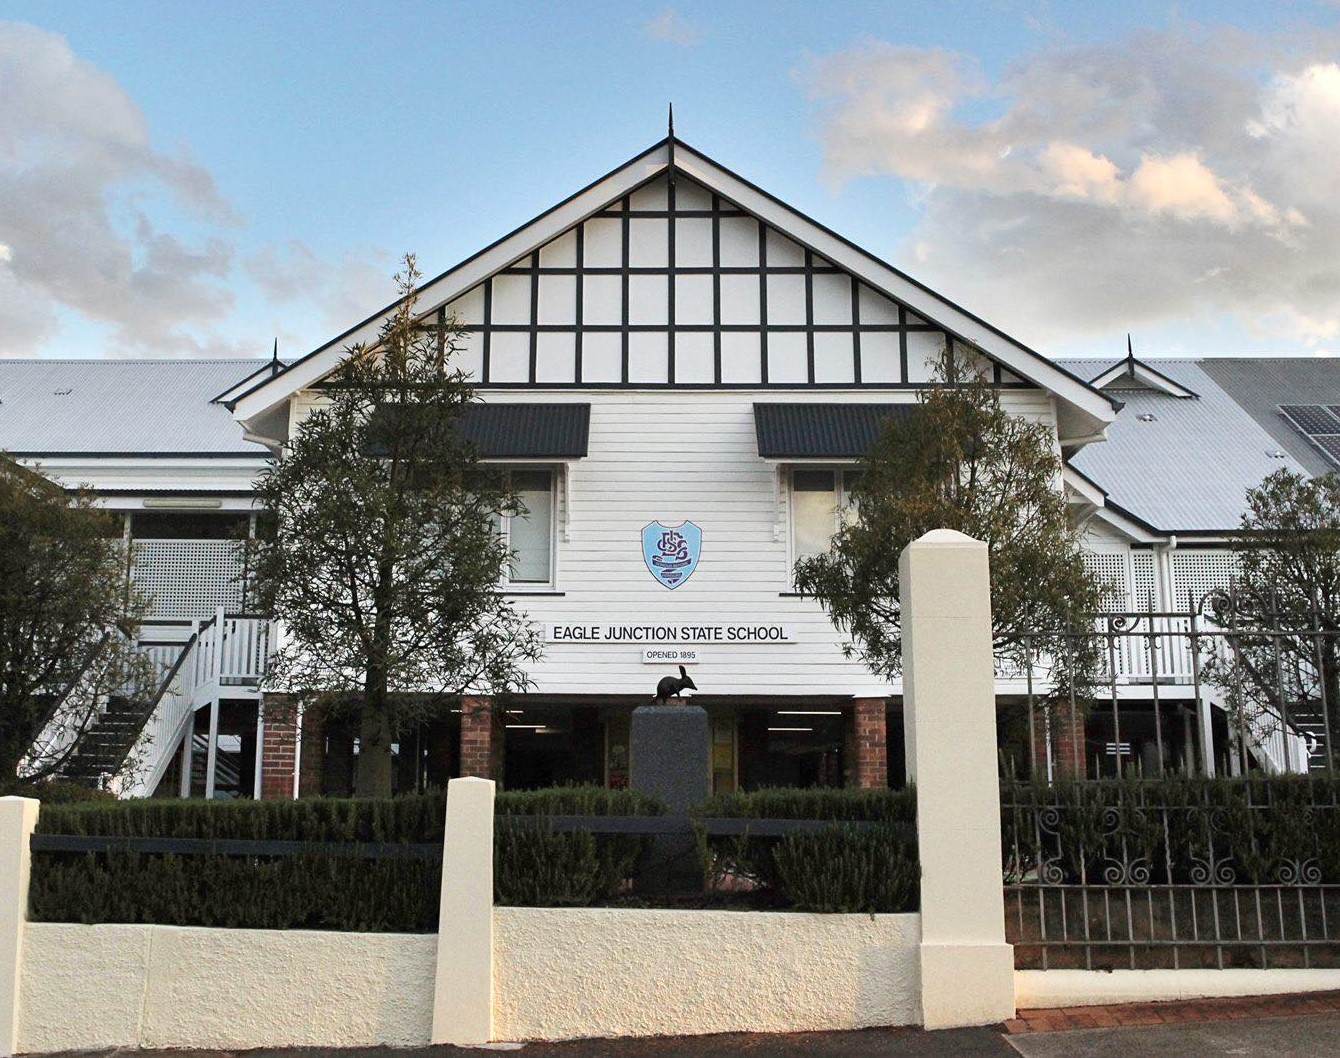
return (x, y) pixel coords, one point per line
(374, 739)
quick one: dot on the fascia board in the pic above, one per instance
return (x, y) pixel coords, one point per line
(1128, 526)
(452, 284)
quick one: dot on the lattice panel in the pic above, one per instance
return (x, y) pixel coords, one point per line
(189, 579)
(1201, 572)
(1110, 569)
(1143, 584)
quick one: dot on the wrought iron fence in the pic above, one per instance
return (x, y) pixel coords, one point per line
(1272, 679)
(1174, 873)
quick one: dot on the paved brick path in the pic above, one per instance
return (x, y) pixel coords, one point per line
(1174, 1013)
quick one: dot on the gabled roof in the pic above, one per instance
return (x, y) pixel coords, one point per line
(1083, 411)
(1179, 465)
(112, 407)
(1144, 375)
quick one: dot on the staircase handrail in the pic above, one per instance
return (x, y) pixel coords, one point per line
(64, 695)
(153, 703)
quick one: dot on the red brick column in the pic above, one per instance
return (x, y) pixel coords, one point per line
(312, 763)
(481, 739)
(871, 766)
(1067, 741)
(279, 748)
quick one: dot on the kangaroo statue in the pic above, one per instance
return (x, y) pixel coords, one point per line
(674, 687)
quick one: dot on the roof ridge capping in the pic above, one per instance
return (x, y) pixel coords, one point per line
(1087, 411)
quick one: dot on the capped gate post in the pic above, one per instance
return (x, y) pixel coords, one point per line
(949, 721)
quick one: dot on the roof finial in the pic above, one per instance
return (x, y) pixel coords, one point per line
(274, 359)
(671, 123)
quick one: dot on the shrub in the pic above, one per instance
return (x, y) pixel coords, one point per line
(842, 868)
(541, 868)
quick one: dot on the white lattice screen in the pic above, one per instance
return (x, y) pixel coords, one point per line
(189, 579)
(1142, 581)
(1199, 573)
(1110, 569)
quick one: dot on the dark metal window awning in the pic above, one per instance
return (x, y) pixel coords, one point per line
(529, 431)
(517, 431)
(821, 431)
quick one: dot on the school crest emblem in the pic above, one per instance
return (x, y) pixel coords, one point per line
(671, 551)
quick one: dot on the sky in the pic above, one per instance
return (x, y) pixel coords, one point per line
(188, 179)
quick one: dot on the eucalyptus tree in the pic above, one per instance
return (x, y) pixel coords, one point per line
(382, 557)
(67, 623)
(961, 460)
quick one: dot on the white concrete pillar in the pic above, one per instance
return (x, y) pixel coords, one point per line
(949, 719)
(463, 997)
(18, 818)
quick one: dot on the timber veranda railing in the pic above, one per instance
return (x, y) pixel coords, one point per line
(1267, 679)
(1178, 873)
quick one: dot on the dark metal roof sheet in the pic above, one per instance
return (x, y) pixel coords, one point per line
(821, 431)
(506, 431)
(529, 431)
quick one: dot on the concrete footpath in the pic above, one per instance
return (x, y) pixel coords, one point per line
(1276, 1026)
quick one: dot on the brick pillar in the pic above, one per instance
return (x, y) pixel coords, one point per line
(312, 764)
(481, 739)
(279, 745)
(1067, 740)
(871, 765)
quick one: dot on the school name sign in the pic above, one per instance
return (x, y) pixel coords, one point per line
(741, 633)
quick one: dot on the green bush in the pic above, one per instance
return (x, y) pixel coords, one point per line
(63, 792)
(541, 868)
(318, 890)
(841, 868)
(847, 870)
(309, 891)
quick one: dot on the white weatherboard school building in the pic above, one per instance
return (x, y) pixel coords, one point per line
(681, 372)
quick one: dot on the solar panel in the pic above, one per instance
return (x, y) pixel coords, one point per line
(1330, 444)
(1312, 419)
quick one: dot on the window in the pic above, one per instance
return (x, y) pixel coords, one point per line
(530, 536)
(820, 501)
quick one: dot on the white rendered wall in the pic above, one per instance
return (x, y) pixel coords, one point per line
(96, 987)
(562, 973)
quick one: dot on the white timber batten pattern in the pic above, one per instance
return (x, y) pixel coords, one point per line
(804, 251)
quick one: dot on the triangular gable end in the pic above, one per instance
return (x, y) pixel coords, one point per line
(759, 296)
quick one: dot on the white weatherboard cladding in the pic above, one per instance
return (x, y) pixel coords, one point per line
(690, 457)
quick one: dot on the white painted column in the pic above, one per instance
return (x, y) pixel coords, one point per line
(18, 818)
(463, 996)
(949, 719)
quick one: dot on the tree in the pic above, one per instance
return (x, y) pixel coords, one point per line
(961, 461)
(383, 559)
(1287, 581)
(66, 618)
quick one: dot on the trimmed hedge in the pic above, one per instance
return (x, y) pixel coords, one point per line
(537, 868)
(841, 869)
(314, 891)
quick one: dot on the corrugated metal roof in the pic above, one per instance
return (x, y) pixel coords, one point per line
(820, 431)
(121, 407)
(529, 431)
(1261, 384)
(1190, 465)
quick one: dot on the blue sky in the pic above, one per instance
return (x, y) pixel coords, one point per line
(190, 179)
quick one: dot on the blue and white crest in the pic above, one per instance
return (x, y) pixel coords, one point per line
(671, 551)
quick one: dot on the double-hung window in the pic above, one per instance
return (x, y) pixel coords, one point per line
(820, 501)
(530, 536)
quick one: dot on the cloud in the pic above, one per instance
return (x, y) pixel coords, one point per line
(1096, 188)
(673, 28)
(344, 290)
(77, 171)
